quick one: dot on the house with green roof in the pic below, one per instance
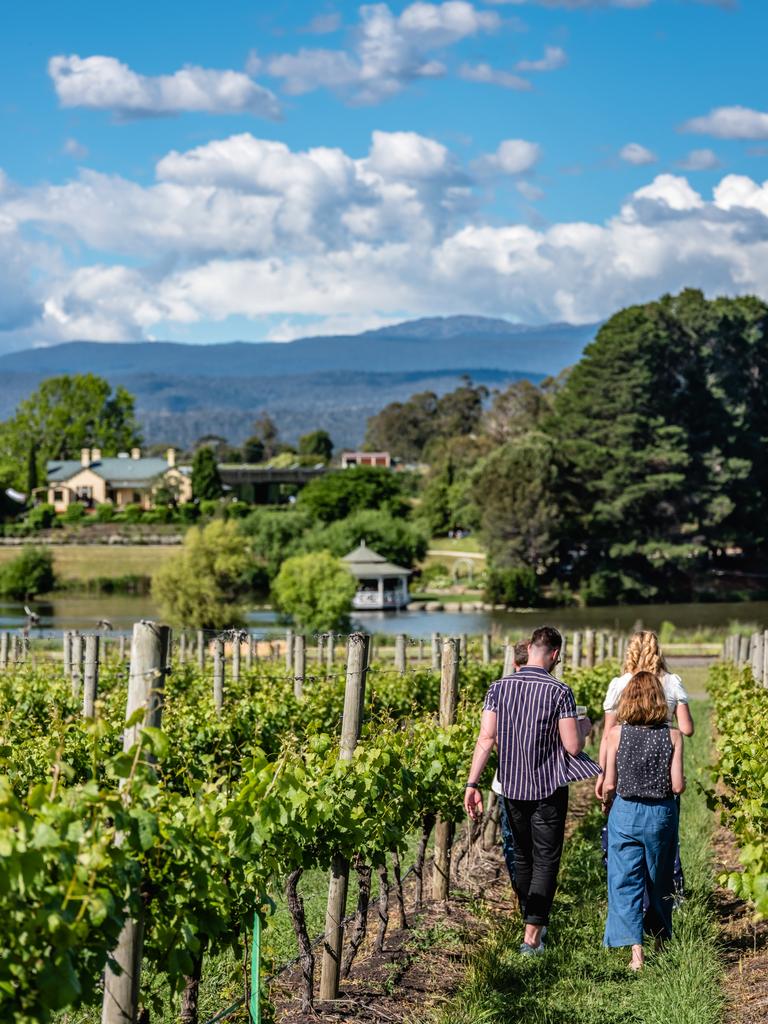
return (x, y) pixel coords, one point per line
(127, 479)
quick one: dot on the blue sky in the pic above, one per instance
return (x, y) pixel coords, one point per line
(202, 172)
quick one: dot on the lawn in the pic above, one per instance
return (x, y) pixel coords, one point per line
(88, 561)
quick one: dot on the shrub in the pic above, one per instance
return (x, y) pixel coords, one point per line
(133, 513)
(105, 513)
(274, 534)
(209, 507)
(518, 586)
(75, 513)
(316, 590)
(30, 573)
(41, 517)
(199, 587)
(395, 539)
(188, 512)
(339, 494)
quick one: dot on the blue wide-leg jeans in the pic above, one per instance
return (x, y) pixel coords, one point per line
(642, 840)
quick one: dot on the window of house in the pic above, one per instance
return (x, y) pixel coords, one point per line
(58, 495)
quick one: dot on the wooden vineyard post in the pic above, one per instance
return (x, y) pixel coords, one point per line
(611, 647)
(121, 648)
(77, 663)
(4, 650)
(435, 652)
(449, 697)
(743, 650)
(183, 647)
(756, 657)
(235, 656)
(90, 676)
(465, 647)
(354, 698)
(218, 673)
(299, 664)
(765, 658)
(289, 650)
(249, 651)
(486, 648)
(421, 650)
(601, 647)
(560, 666)
(330, 651)
(319, 649)
(146, 680)
(509, 659)
(67, 652)
(576, 652)
(589, 647)
(201, 650)
(400, 654)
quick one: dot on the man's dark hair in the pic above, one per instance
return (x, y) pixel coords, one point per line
(547, 637)
(521, 652)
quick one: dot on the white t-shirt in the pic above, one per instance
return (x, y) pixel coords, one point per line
(496, 785)
(674, 692)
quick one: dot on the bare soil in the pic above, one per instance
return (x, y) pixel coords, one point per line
(425, 964)
(744, 943)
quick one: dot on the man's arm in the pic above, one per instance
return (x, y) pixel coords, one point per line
(573, 733)
(486, 741)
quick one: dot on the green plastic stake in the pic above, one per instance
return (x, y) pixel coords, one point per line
(255, 1004)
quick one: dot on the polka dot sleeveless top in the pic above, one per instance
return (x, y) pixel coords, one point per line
(643, 761)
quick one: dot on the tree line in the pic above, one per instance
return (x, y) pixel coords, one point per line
(638, 474)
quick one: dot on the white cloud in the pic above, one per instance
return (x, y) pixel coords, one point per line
(529, 191)
(730, 123)
(74, 149)
(494, 76)
(674, 191)
(513, 156)
(408, 155)
(387, 52)
(634, 153)
(247, 227)
(104, 83)
(324, 24)
(554, 58)
(700, 160)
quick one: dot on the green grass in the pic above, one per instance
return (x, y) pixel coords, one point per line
(88, 561)
(577, 981)
(470, 543)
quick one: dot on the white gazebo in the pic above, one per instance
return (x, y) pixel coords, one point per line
(380, 584)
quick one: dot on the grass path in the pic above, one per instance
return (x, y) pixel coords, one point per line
(579, 982)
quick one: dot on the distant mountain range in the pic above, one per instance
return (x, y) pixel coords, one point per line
(183, 391)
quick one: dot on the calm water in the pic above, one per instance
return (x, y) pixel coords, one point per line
(84, 613)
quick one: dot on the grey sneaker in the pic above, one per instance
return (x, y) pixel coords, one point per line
(527, 950)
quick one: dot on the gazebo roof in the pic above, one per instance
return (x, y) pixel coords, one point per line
(364, 561)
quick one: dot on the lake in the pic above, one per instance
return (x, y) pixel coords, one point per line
(84, 612)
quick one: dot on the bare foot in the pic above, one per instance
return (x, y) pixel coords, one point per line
(638, 958)
(533, 935)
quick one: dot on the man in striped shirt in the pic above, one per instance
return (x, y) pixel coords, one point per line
(531, 716)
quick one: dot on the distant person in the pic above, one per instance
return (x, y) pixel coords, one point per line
(519, 658)
(643, 772)
(540, 740)
(644, 654)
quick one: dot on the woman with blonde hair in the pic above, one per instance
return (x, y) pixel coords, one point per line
(643, 774)
(643, 654)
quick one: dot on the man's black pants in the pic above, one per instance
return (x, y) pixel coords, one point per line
(539, 828)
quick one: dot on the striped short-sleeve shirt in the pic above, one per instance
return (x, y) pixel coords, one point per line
(533, 762)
